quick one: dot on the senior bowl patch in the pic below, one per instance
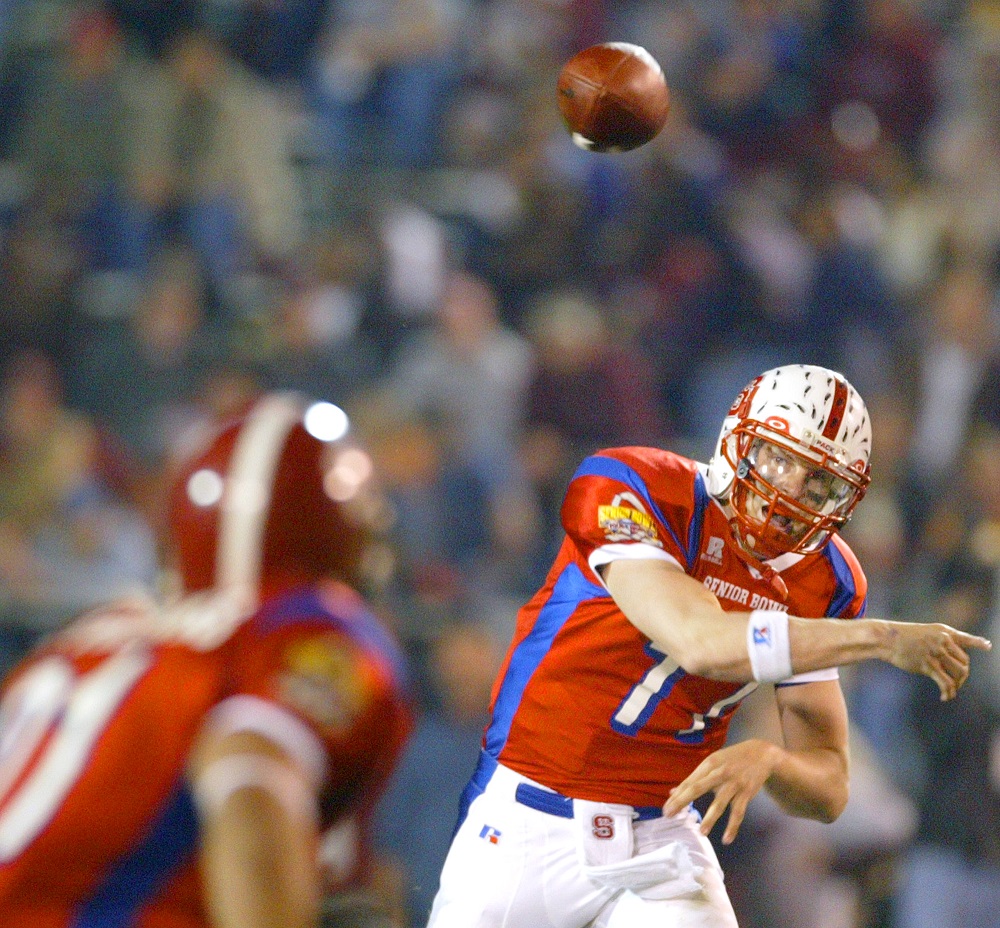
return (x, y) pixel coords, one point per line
(623, 523)
(324, 681)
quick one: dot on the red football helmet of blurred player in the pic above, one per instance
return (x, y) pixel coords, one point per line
(278, 497)
(792, 460)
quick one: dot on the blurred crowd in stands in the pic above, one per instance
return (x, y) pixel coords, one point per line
(375, 202)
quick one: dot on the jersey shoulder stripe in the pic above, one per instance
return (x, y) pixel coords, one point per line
(851, 585)
(570, 589)
(612, 468)
(701, 501)
(140, 875)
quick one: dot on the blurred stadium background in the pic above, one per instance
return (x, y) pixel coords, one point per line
(374, 201)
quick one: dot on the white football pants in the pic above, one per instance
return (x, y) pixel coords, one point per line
(524, 857)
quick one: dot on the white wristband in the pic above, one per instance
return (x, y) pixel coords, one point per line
(768, 647)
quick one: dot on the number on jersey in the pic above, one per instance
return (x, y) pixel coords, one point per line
(50, 721)
(637, 707)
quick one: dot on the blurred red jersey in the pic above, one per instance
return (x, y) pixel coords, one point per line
(98, 828)
(584, 703)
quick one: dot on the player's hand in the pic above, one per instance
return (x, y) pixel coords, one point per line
(735, 774)
(935, 650)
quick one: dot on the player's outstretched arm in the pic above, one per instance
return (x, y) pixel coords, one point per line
(685, 620)
(933, 649)
(258, 827)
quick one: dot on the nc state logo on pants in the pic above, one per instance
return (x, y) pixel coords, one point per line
(604, 826)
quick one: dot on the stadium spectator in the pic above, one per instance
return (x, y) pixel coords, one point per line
(315, 334)
(588, 390)
(950, 877)
(78, 143)
(468, 373)
(207, 182)
(137, 374)
(68, 540)
(959, 343)
(381, 80)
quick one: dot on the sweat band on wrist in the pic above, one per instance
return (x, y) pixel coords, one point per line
(768, 647)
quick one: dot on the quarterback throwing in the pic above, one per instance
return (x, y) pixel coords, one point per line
(679, 588)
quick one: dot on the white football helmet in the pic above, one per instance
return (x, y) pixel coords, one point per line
(792, 460)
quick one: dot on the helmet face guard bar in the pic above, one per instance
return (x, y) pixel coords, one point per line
(769, 520)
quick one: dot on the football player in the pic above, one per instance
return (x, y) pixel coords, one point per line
(679, 588)
(174, 766)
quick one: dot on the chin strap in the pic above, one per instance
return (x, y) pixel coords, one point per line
(764, 570)
(774, 578)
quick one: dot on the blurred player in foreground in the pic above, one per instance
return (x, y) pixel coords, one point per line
(679, 588)
(173, 766)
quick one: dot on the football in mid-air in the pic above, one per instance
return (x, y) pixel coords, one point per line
(613, 97)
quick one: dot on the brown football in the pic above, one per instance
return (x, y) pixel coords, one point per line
(613, 97)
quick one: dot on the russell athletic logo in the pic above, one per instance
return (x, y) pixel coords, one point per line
(714, 549)
(490, 834)
(762, 635)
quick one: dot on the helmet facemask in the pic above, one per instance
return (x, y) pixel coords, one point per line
(787, 496)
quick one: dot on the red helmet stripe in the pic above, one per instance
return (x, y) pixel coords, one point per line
(247, 499)
(837, 410)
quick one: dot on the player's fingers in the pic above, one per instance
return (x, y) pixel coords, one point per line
(683, 796)
(696, 784)
(954, 646)
(944, 682)
(714, 812)
(956, 665)
(972, 641)
(737, 811)
(680, 798)
(946, 663)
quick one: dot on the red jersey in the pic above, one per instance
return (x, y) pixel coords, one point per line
(97, 824)
(584, 703)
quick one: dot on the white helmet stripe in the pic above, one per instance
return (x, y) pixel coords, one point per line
(247, 497)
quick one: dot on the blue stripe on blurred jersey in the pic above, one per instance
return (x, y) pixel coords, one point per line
(141, 874)
(309, 604)
(569, 591)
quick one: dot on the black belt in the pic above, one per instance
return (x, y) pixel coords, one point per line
(556, 804)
